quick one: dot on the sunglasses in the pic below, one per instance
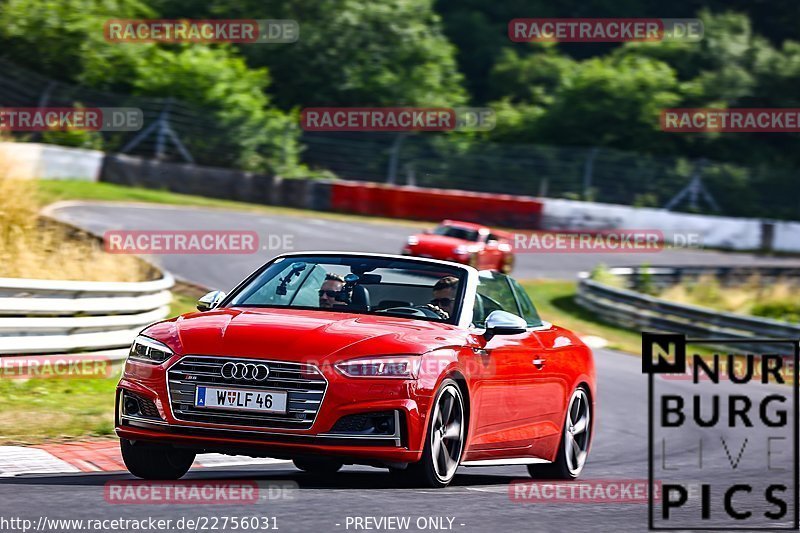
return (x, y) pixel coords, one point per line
(328, 293)
(442, 302)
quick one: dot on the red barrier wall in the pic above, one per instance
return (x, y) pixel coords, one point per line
(436, 204)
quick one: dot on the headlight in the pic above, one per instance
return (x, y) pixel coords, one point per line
(149, 350)
(401, 367)
(412, 241)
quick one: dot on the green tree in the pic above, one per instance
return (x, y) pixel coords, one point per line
(354, 53)
(603, 102)
(532, 78)
(64, 38)
(229, 98)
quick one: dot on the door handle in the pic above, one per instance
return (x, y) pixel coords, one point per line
(538, 363)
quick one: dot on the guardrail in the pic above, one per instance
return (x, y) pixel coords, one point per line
(627, 307)
(49, 317)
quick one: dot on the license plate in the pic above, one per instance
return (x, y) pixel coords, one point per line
(264, 401)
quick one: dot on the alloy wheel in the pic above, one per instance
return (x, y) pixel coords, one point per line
(447, 433)
(576, 432)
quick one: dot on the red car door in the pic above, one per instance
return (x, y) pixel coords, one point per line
(548, 354)
(502, 394)
(506, 416)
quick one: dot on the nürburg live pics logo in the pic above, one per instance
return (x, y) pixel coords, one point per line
(722, 443)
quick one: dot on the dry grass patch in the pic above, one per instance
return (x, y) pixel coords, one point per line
(31, 247)
(777, 299)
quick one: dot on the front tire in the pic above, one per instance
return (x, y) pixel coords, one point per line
(444, 440)
(575, 440)
(317, 466)
(151, 461)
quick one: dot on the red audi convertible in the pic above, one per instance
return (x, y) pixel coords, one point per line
(464, 242)
(328, 359)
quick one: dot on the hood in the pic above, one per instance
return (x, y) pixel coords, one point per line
(301, 335)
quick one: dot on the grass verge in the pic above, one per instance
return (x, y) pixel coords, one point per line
(55, 409)
(555, 301)
(182, 303)
(50, 191)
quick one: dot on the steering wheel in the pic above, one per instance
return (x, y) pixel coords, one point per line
(422, 311)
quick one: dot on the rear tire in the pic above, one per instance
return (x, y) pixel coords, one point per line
(318, 466)
(575, 441)
(444, 441)
(151, 461)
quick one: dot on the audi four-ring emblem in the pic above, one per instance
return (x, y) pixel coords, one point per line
(245, 371)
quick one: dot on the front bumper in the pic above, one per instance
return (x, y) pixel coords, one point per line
(262, 444)
(343, 397)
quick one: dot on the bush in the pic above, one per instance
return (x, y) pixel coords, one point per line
(785, 310)
(601, 274)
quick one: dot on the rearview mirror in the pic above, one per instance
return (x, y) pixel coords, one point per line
(504, 323)
(210, 300)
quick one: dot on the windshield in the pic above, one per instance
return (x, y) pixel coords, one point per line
(457, 232)
(355, 284)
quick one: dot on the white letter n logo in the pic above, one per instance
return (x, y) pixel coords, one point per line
(663, 353)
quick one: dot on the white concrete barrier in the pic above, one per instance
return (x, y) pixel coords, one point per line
(786, 237)
(49, 161)
(716, 232)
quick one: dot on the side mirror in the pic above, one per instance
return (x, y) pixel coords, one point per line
(210, 300)
(504, 323)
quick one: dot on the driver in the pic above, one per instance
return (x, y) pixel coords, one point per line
(444, 294)
(329, 290)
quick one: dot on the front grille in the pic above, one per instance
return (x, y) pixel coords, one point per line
(304, 384)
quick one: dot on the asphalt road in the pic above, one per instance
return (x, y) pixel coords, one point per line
(317, 233)
(478, 500)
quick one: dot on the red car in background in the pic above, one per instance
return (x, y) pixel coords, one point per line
(464, 242)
